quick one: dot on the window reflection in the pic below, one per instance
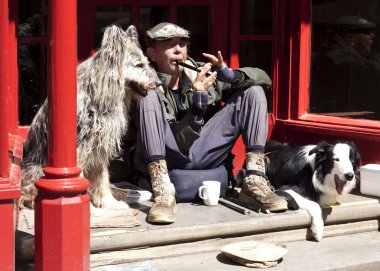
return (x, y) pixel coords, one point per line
(256, 17)
(196, 19)
(32, 18)
(345, 71)
(257, 54)
(31, 58)
(120, 15)
(152, 15)
(255, 49)
(32, 79)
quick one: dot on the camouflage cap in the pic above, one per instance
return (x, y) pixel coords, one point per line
(165, 30)
(354, 23)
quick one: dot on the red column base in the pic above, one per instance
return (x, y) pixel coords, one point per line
(9, 193)
(62, 223)
(7, 233)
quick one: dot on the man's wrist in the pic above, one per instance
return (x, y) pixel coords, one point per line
(223, 66)
(226, 74)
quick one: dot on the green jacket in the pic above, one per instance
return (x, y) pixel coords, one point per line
(186, 130)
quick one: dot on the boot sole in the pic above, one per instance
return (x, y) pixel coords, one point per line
(161, 219)
(259, 206)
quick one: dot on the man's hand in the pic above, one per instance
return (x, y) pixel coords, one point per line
(202, 83)
(216, 61)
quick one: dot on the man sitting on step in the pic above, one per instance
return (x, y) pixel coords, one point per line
(182, 124)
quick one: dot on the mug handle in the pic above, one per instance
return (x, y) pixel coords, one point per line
(200, 192)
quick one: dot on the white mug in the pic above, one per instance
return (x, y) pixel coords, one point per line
(210, 192)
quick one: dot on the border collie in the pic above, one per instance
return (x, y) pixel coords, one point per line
(313, 175)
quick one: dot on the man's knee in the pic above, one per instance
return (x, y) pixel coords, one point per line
(150, 102)
(256, 94)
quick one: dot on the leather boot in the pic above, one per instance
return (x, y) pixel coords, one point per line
(164, 207)
(256, 188)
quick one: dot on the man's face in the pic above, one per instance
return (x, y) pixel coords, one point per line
(362, 42)
(165, 53)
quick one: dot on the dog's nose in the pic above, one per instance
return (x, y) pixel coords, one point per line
(349, 176)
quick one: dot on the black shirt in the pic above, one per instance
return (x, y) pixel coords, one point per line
(177, 96)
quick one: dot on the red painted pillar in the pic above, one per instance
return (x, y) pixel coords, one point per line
(8, 190)
(4, 90)
(13, 79)
(62, 215)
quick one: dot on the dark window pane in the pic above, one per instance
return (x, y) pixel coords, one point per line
(32, 67)
(32, 18)
(256, 17)
(32, 80)
(151, 16)
(197, 20)
(257, 54)
(109, 15)
(345, 63)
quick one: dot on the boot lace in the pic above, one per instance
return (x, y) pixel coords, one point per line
(265, 159)
(261, 160)
(157, 172)
(270, 186)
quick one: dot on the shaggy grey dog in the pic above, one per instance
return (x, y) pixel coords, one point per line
(107, 82)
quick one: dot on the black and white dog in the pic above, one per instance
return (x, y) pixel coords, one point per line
(314, 175)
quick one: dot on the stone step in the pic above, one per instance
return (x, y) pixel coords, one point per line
(199, 222)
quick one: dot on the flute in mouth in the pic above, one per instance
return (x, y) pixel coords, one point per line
(181, 63)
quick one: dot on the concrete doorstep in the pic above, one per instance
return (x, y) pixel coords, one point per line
(197, 222)
(195, 240)
(201, 230)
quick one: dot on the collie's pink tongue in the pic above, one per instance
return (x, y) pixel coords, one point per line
(339, 184)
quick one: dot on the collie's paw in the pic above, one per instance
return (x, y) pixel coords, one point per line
(317, 229)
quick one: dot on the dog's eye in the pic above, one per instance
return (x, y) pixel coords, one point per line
(336, 159)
